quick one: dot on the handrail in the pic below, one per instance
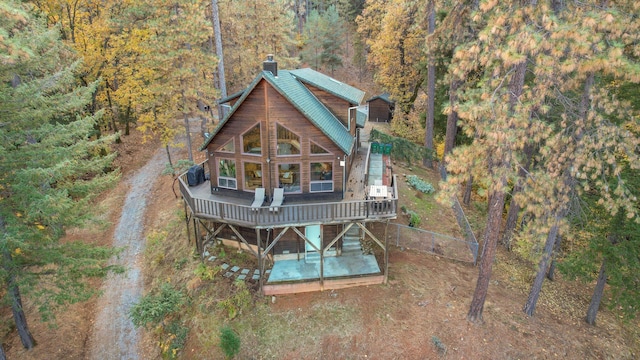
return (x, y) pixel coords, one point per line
(291, 214)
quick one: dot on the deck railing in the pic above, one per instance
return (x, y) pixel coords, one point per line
(291, 214)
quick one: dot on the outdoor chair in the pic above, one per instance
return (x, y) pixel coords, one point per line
(278, 198)
(258, 199)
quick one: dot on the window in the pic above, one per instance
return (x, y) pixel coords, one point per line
(321, 177)
(317, 149)
(289, 177)
(229, 147)
(252, 175)
(251, 143)
(227, 174)
(288, 142)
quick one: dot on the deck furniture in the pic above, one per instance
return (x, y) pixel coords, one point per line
(258, 199)
(278, 198)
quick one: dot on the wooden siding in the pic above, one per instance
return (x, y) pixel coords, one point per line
(379, 110)
(338, 106)
(266, 106)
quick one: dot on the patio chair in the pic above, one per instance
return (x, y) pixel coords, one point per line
(258, 199)
(278, 198)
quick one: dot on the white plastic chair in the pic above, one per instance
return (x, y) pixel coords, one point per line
(278, 198)
(258, 199)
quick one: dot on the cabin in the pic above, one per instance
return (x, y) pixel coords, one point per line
(286, 178)
(381, 108)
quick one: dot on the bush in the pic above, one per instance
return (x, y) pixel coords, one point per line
(175, 338)
(229, 342)
(420, 185)
(154, 308)
(414, 219)
(239, 301)
(205, 272)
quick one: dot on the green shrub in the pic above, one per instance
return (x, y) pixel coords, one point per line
(154, 308)
(239, 301)
(420, 185)
(229, 342)
(175, 336)
(205, 272)
(414, 219)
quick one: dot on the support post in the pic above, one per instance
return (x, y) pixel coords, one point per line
(386, 252)
(260, 260)
(187, 219)
(196, 233)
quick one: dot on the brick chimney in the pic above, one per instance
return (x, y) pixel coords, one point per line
(270, 65)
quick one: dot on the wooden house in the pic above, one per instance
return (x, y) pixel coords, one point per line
(286, 182)
(381, 108)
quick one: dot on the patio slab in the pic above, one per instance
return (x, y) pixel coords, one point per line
(292, 270)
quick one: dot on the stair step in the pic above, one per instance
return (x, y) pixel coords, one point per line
(351, 246)
(312, 257)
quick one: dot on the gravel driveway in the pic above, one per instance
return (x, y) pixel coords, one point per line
(114, 336)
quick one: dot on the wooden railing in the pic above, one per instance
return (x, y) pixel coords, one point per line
(291, 214)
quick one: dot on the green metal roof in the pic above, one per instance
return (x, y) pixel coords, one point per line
(361, 118)
(386, 97)
(302, 99)
(329, 84)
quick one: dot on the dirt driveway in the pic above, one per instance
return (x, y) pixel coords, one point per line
(113, 335)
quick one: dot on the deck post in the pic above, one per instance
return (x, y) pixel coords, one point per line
(187, 219)
(196, 233)
(260, 260)
(321, 269)
(386, 252)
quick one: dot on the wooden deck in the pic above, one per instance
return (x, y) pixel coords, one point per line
(237, 210)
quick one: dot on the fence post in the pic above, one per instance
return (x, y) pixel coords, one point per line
(433, 242)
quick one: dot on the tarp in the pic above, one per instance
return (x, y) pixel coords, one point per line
(195, 175)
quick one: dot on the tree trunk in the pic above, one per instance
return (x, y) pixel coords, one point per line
(215, 19)
(551, 274)
(186, 125)
(188, 133)
(534, 293)
(491, 234)
(13, 291)
(452, 117)
(466, 199)
(431, 89)
(514, 207)
(166, 147)
(597, 296)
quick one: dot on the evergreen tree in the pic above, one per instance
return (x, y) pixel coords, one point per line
(323, 39)
(51, 169)
(251, 30)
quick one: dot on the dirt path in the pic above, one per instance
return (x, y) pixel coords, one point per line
(114, 336)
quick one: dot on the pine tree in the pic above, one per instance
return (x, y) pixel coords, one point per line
(323, 39)
(180, 62)
(252, 30)
(51, 170)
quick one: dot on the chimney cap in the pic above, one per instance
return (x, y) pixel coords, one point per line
(270, 57)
